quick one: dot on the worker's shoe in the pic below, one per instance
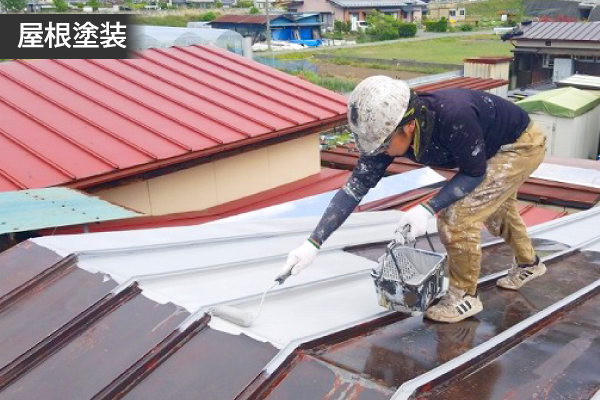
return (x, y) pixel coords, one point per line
(454, 306)
(521, 274)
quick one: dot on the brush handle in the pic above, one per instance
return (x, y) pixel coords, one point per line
(281, 278)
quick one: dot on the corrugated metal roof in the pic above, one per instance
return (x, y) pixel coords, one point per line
(27, 210)
(124, 317)
(463, 83)
(581, 81)
(80, 122)
(567, 31)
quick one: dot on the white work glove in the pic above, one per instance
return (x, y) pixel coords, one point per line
(299, 259)
(416, 218)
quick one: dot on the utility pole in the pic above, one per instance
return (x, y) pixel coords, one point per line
(268, 25)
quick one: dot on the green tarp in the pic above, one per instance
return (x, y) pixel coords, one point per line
(566, 102)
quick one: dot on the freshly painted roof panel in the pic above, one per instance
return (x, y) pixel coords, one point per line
(568, 31)
(28, 210)
(65, 121)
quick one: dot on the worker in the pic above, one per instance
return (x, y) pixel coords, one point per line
(495, 148)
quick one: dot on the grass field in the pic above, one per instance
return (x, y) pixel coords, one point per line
(450, 50)
(489, 9)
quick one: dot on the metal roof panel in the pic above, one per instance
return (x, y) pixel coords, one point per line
(567, 31)
(101, 118)
(34, 209)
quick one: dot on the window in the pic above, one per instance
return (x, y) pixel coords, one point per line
(586, 59)
(452, 13)
(548, 61)
(461, 12)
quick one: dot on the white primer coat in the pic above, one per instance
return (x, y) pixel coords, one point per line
(219, 269)
(566, 174)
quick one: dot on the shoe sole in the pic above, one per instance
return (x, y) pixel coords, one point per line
(475, 310)
(500, 285)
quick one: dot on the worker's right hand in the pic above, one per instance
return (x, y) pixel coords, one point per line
(299, 259)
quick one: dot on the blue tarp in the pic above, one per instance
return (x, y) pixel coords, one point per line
(282, 34)
(306, 33)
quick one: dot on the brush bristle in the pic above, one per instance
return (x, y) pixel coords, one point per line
(233, 315)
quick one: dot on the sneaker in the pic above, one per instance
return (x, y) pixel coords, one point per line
(521, 274)
(454, 306)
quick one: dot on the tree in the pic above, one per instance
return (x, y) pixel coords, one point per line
(61, 5)
(254, 10)
(217, 4)
(383, 27)
(95, 4)
(244, 4)
(13, 5)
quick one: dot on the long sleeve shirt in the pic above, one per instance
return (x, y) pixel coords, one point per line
(469, 127)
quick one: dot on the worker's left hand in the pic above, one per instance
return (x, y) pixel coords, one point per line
(417, 218)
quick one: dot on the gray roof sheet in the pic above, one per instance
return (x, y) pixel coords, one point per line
(571, 31)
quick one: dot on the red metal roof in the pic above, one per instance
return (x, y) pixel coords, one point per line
(80, 122)
(489, 60)
(244, 19)
(571, 31)
(463, 83)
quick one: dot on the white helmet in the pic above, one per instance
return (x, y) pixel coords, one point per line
(375, 108)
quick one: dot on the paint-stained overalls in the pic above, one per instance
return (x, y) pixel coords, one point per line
(495, 148)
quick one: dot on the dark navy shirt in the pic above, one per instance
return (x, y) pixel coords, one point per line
(469, 127)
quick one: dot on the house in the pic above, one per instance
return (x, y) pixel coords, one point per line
(451, 11)
(175, 130)
(283, 27)
(550, 51)
(357, 10)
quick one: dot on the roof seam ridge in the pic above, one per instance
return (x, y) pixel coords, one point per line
(295, 96)
(168, 98)
(79, 116)
(192, 93)
(260, 107)
(107, 106)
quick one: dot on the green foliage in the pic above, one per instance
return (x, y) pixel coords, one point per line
(347, 27)
(254, 10)
(13, 5)
(336, 84)
(61, 5)
(209, 16)
(466, 28)
(337, 26)
(437, 26)
(163, 6)
(80, 6)
(407, 30)
(217, 4)
(489, 9)
(244, 4)
(95, 4)
(383, 27)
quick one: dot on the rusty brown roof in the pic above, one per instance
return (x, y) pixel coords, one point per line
(571, 31)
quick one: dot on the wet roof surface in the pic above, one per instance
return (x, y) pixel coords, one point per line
(135, 334)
